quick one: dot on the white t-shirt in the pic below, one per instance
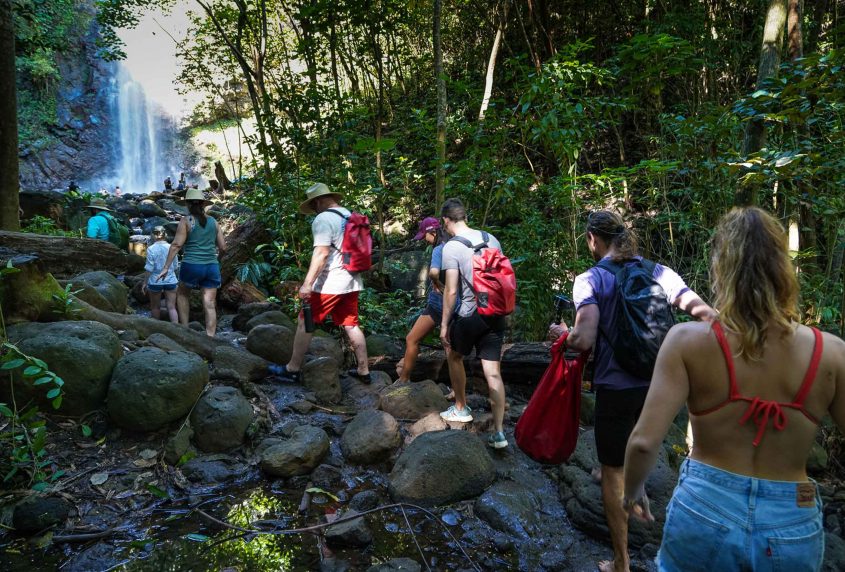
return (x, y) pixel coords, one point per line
(327, 230)
(156, 257)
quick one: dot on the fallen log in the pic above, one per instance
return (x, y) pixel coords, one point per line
(65, 256)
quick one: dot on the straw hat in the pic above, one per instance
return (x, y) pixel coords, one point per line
(99, 205)
(193, 195)
(314, 191)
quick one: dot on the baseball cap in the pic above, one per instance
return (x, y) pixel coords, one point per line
(427, 224)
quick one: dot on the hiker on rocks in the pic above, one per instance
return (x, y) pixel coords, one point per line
(180, 186)
(156, 257)
(72, 187)
(329, 289)
(756, 382)
(168, 184)
(200, 269)
(117, 191)
(463, 329)
(430, 231)
(98, 223)
(620, 394)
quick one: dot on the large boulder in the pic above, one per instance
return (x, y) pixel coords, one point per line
(88, 294)
(153, 222)
(109, 287)
(82, 353)
(149, 208)
(170, 205)
(326, 346)
(271, 342)
(379, 345)
(581, 495)
(413, 400)
(271, 317)
(36, 513)
(321, 376)
(295, 455)
(247, 312)
(220, 419)
(238, 364)
(509, 507)
(151, 388)
(441, 468)
(371, 437)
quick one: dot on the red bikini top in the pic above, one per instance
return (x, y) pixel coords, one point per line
(761, 410)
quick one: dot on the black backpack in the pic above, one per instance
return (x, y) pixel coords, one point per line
(643, 316)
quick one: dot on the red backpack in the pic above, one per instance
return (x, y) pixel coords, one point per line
(357, 247)
(493, 278)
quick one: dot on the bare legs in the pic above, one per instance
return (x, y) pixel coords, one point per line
(458, 377)
(209, 306)
(359, 346)
(303, 339)
(493, 375)
(422, 327)
(612, 487)
(183, 303)
(170, 301)
(155, 305)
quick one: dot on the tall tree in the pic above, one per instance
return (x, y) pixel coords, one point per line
(440, 171)
(755, 131)
(9, 186)
(491, 62)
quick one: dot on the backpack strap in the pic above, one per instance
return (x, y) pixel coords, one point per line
(343, 229)
(338, 213)
(468, 244)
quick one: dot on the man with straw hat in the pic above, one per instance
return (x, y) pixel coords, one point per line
(328, 288)
(98, 224)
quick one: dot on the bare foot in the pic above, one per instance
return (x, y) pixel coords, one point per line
(610, 566)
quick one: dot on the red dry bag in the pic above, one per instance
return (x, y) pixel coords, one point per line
(493, 278)
(356, 250)
(547, 431)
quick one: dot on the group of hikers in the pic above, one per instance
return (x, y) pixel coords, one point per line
(755, 380)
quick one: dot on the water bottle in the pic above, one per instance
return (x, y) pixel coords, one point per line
(307, 317)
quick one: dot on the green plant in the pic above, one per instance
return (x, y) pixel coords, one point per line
(64, 301)
(43, 225)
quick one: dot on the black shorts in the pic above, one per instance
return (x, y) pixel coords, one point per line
(484, 334)
(617, 411)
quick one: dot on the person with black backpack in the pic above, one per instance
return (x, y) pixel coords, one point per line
(623, 308)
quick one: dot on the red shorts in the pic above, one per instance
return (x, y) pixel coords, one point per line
(343, 308)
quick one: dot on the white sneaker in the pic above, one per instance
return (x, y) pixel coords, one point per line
(459, 415)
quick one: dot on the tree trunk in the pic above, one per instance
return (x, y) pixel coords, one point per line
(755, 131)
(491, 63)
(9, 184)
(65, 256)
(440, 163)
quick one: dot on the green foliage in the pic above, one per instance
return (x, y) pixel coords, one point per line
(64, 305)
(43, 225)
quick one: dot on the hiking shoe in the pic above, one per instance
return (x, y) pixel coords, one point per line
(363, 378)
(454, 414)
(497, 440)
(281, 371)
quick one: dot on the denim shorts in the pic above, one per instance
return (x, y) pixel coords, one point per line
(200, 275)
(718, 520)
(161, 287)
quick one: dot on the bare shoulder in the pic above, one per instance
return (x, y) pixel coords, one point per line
(834, 349)
(688, 337)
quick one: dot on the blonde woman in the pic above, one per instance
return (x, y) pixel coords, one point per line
(756, 382)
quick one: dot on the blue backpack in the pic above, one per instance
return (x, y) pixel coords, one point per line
(643, 316)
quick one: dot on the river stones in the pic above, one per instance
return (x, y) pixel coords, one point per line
(370, 438)
(271, 342)
(353, 533)
(153, 222)
(36, 513)
(297, 454)
(246, 312)
(321, 377)
(272, 317)
(379, 345)
(151, 388)
(413, 400)
(509, 507)
(110, 288)
(325, 346)
(83, 353)
(441, 468)
(220, 419)
(238, 364)
(149, 208)
(396, 565)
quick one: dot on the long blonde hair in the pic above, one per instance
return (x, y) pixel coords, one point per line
(752, 277)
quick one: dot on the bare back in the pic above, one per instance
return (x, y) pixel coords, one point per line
(719, 438)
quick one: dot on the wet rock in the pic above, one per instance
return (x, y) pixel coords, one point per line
(110, 288)
(148, 209)
(321, 376)
(502, 543)
(509, 507)
(273, 317)
(128, 209)
(818, 459)
(213, 469)
(554, 561)
(582, 496)
(244, 365)
(87, 293)
(271, 342)
(396, 565)
(302, 407)
(334, 565)
(101, 556)
(327, 477)
(364, 501)
(128, 335)
(220, 419)
(247, 312)
(178, 444)
(429, 423)
(323, 346)
(352, 533)
(419, 476)
(82, 353)
(370, 438)
(298, 454)
(834, 553)
(170, 205)
(365, 396)
(379, 345)
(153, 222)
(413, 400)
(163, 342)
(151, 387)
(35, 513)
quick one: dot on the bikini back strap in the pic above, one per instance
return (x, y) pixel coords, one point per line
(812, 369)
(729, 360)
